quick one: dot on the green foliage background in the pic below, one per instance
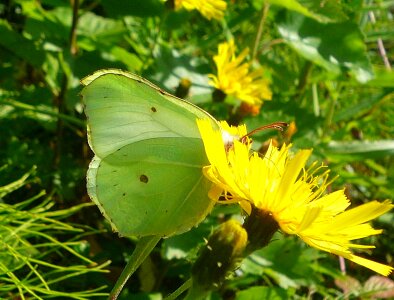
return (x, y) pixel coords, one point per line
(327, 74)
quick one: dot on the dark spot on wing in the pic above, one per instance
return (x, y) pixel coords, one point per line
(153, 109)
(144, 178)
(124, 194)
(116, 184)
(162, 92)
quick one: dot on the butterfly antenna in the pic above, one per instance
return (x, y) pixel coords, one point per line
(276, 125)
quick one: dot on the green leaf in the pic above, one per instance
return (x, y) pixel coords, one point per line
(358, 150)
(383, 78)
(328, 11)
(263, 292)
(6, 189)
(292, 5)
(380, 287)
(131, 60)
(285, 260)
(336, 47)
(52, 28)
(184, 245)
(359, 107)
(20, 46)
(172, 66)
(96, 31)
(146, 8)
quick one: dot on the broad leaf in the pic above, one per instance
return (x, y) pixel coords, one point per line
(336, 47)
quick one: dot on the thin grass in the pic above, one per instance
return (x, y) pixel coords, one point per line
(38, 251)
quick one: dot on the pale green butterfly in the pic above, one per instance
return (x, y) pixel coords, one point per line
(146, 176)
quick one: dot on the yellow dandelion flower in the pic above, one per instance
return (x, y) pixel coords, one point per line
(279, 185)
(234, 76)
(210, 9)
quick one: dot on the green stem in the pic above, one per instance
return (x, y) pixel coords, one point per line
(303, 80)
(144, 247)
(331, 109)
(315, 97)
(185, 286)
(73, 32)
(196, 293)
(265, 9)
(32, 108)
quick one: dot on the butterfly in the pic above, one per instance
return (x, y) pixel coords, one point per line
(146, 175)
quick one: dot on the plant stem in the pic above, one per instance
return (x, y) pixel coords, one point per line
(260, 29)
(185, 286)
(144, 247)
(73, 33)
(24, 106)
(303, 80)
(196, 293)
(331, 110)
(382, 50)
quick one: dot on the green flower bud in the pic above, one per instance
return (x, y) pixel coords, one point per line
(219, 256)
(260, 226)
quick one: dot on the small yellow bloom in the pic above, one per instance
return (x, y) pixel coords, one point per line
(247, 109)
(210, 9)
(234, 76)
(291, 130)
(279, 184)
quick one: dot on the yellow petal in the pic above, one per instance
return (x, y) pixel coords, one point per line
(362, 214)
(374, 266)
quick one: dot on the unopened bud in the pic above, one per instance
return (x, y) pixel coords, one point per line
(223, 251)
(183, 88)
(260, 226)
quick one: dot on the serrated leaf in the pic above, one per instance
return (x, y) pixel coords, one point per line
(348, 285)
(382, 287)
(337, 47)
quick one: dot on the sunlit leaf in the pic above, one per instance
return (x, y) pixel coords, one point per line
(20, 46)
(359, 150)
(337, 47)
(263, 292)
